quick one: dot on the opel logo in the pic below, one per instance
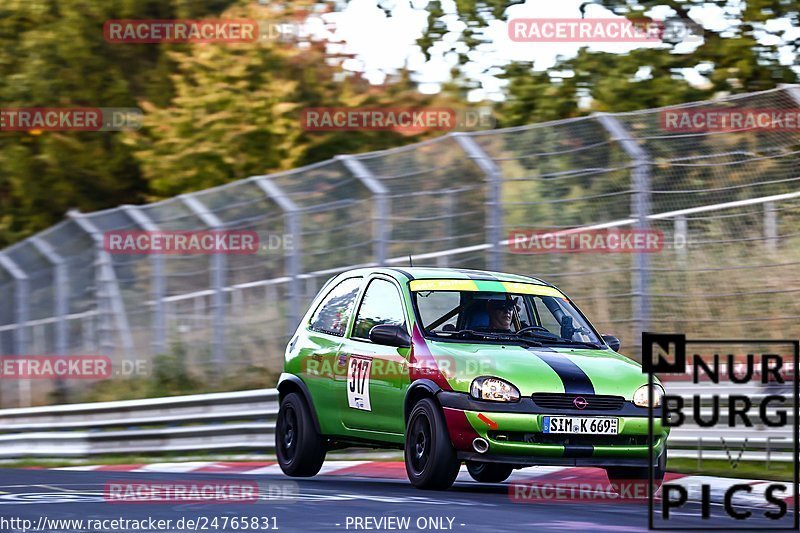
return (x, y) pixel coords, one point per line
(580, 402)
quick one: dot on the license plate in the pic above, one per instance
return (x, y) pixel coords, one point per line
(581, 425)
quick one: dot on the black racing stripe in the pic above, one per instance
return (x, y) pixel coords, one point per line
(403, 272)
(574, 379)
(578, 450)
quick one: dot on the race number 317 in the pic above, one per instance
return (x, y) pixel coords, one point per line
(358, 382)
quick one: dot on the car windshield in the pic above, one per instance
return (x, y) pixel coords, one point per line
(500, 316)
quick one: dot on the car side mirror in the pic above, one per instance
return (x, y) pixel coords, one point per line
(612, 341)
(567, 327)
(390, 335)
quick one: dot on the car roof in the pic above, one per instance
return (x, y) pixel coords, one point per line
(411, 273)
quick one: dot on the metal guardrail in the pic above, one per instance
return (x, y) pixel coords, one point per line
(246, 421)
(219, 421)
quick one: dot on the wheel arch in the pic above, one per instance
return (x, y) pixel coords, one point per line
(289, 383)
(421, 388)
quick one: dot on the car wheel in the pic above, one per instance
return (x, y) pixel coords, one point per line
(299, 447)
(632, 482)
(431, 461)
(488, 472)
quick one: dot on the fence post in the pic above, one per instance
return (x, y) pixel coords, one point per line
(680, 239)
(382, 210)
(771, 226)
(793, 90)
(294, 261)
(158, 287)
(640, 211)
(61, 301)
(21, 313)
(61, 292)
(218, 268)
(107, 286)
(494, 182)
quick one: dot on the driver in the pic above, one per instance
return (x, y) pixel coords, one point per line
(500, 314)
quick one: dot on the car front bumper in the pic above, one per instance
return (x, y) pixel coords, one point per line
(514, 434)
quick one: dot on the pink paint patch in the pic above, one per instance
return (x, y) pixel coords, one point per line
(461, 431)
(578, 474)
(672, 476)
(234, 466)
(422, 364)
(387, 470)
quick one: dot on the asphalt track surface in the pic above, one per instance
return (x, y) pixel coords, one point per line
(333, 504)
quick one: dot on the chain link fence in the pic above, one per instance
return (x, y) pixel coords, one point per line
(727, 202)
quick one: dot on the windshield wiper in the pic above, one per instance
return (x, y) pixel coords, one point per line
(489, 335)
(554, 339)
(588, 344)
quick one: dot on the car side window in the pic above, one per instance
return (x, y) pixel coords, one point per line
(334, 311)
(382, 304)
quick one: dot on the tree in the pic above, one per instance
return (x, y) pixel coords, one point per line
(733, 61)
(53, 54)
(237, 111)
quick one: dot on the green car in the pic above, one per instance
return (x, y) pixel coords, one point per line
(500, 371)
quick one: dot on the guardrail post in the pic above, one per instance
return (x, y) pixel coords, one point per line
(107, 286)
(21, 313)
(382, 210)
(640, 211)
(218, 271)
(158, 287)
(61, 301)
(294, 261)
(494, 182)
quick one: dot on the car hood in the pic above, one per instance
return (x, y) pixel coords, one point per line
(531, 369)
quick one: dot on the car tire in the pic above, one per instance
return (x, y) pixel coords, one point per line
(431, 461)
(637, 479)
(300, 449)
(488, 472)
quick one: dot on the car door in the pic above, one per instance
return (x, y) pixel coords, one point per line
(321, 368)
(377, 375)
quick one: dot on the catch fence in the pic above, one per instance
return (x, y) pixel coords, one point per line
(726, 201)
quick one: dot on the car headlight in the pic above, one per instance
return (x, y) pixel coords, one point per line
(641, 399)
(493, 389)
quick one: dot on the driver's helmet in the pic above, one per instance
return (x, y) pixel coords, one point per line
(505, 304)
